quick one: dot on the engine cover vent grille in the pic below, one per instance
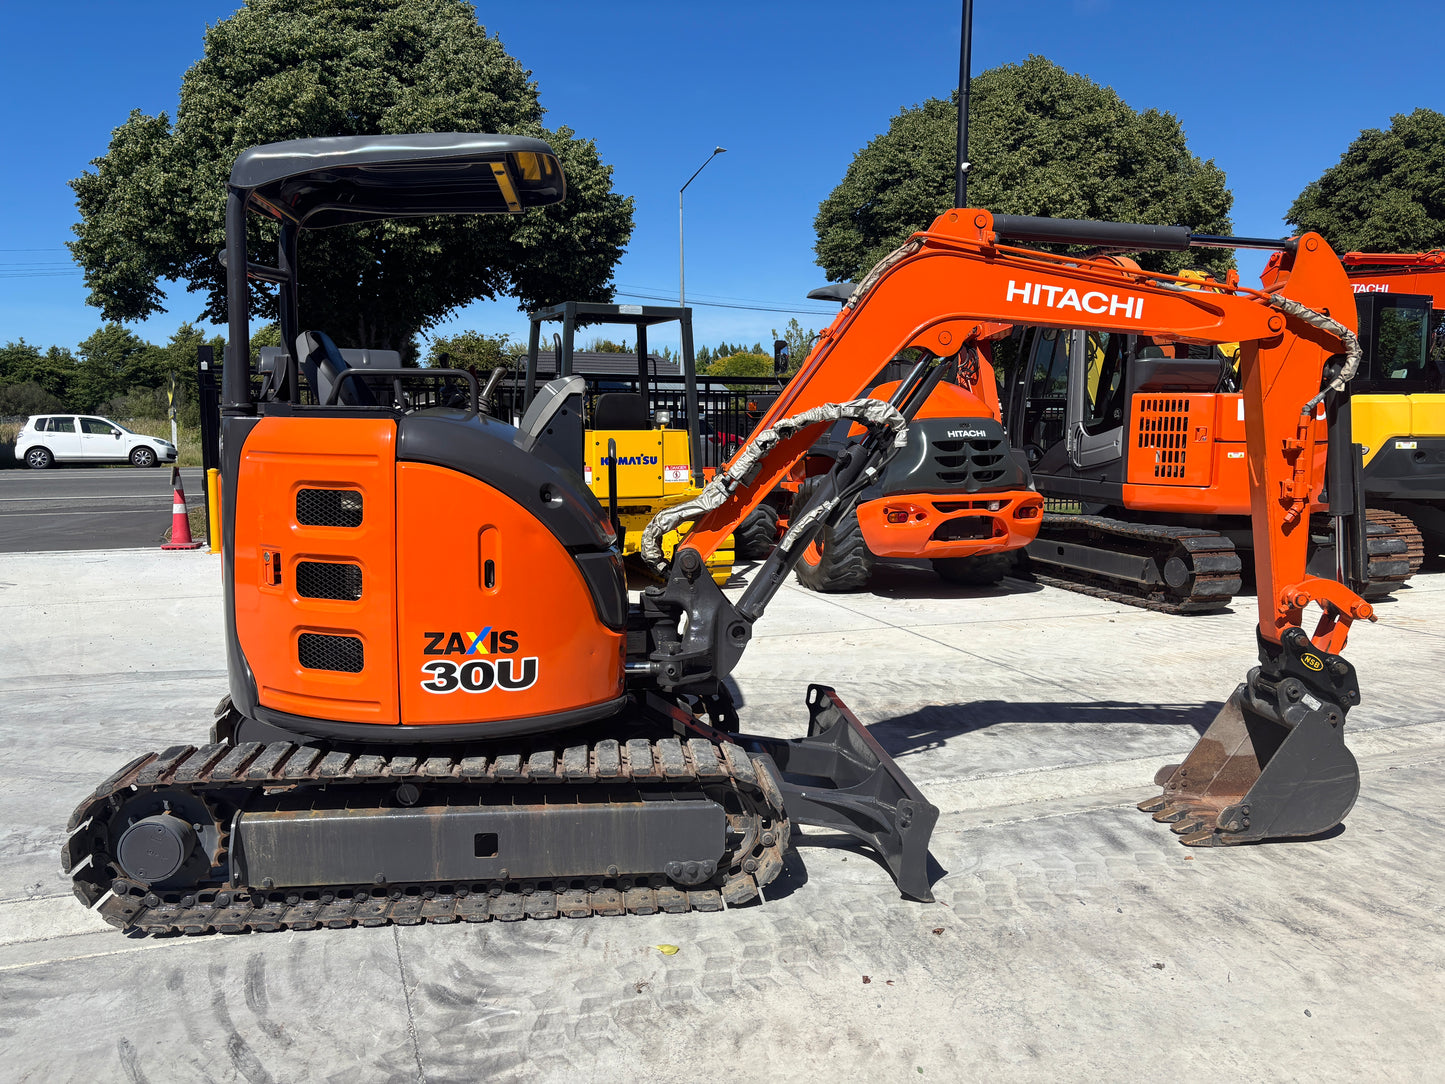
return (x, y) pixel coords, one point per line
(973, 464)
(328, 507)
(1164, 429)
(318, 651)
(326, 579)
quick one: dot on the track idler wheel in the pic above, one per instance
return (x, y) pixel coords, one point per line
(1273, 763)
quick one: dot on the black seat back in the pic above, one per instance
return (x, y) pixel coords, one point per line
(322, 366)
(621, 410)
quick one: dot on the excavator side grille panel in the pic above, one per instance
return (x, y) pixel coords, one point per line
(970, 464)
(319, 651)
(328, 507)
(1172, 441)
(328, 579)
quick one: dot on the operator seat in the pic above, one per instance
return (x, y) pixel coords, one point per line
(322, 365)
(621, 410)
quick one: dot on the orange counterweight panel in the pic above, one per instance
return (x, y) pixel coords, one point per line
(314, 566)
(927, 525)
(494, 620)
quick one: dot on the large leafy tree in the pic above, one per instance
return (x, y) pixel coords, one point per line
(1386, 193)
(153, 208)
(1042, 141)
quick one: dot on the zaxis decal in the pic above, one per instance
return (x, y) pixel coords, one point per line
(476, 675)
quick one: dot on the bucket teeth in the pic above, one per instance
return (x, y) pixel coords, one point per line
(1171, 812)
(1153, 805)
(1190, 825)
(1205, 837)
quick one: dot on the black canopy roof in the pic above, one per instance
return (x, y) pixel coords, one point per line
(348, 179)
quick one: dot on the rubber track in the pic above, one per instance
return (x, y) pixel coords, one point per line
(253, 765)
(1205, 593)
(1403, 527)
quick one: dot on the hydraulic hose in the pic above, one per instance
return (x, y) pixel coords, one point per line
(872, 413)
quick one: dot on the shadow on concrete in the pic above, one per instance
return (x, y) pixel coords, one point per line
(930, 727)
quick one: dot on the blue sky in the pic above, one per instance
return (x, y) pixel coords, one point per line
(1274, 93)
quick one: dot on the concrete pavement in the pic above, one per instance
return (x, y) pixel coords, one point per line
(1073, 937)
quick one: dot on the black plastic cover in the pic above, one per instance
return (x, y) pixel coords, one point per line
(538, 480)
(952, 455)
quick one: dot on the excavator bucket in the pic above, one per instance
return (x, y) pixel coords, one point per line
(1273, 763)
(841, 779)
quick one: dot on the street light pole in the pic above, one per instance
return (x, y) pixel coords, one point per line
(965, 71)
(681, 274)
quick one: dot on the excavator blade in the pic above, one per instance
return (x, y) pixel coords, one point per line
(1273, 763)
(840, 778)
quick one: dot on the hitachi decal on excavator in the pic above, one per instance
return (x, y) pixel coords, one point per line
(336, 792)
(1092, 301)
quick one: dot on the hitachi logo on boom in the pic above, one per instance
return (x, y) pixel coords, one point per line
(1059, 297)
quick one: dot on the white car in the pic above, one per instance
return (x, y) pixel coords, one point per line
(78, 438)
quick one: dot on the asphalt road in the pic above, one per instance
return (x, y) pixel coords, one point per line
(89, 508)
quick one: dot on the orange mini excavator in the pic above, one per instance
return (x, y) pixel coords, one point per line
(442, 705)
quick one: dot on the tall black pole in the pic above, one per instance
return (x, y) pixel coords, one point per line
(965, 45)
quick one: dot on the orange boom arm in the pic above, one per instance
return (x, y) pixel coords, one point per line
(950, 283)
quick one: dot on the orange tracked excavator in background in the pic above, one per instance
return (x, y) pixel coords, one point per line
(442, 705)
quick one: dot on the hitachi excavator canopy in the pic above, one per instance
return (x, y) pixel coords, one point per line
(316, 183)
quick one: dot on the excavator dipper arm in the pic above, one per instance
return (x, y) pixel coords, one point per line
(1274, 761)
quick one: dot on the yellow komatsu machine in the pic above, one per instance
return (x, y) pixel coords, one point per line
(641, 449)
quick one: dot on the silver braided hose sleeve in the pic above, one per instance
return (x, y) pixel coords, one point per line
(873, 413)
(1334, 327)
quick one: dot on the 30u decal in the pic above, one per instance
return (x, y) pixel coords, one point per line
(480, 675)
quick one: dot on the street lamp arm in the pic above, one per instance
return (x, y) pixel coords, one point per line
(681, 274)
(717, 151)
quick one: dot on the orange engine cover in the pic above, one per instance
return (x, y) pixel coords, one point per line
(372, 591)
(495, 622)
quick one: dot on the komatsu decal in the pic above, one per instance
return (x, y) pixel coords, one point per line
(631, 460)
(1092, 301)
(477, 675)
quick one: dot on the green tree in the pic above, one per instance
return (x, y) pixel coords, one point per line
(1386, 193)
(1042, 141)
(109, 358)
(27, 398)
(473, 350)
(284, 69)
(740, 365)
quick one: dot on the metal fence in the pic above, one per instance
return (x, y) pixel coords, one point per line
(728, 408)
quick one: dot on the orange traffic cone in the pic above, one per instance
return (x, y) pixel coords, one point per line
(180, 521)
